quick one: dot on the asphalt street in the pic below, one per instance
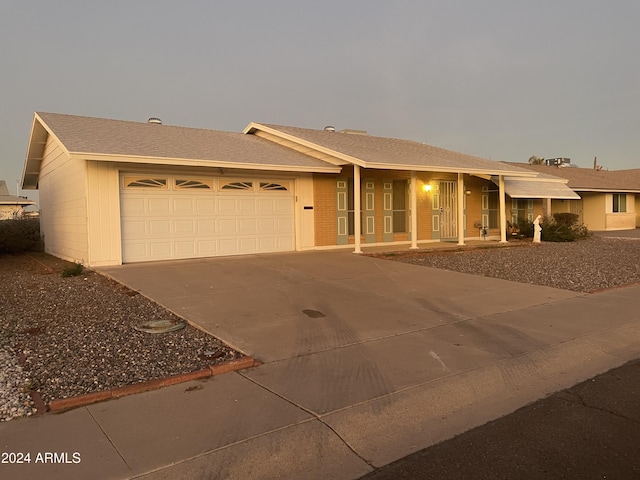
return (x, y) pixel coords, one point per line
(589, 431)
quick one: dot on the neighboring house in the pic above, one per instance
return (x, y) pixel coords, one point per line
(609, 199)
(115, 192)
(11, 206)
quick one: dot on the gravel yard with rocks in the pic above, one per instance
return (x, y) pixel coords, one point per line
(589, 265)
(64, 337)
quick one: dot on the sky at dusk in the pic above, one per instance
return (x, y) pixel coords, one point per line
(503, 80)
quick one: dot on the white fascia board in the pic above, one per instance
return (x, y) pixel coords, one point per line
(333, 153)
(468, 171)
(183, 162)
(606, 190)
(564, 181)
(35, 152)
(555, 197)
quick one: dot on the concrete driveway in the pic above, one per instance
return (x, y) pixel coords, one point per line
(367, 360)
(283, 306)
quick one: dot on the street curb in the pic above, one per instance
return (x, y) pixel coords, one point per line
(64, 404)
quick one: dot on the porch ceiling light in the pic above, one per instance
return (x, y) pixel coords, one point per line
(427, 188)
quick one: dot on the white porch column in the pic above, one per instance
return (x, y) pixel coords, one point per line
(460, 208)
(548, 207)
(357, 226)
(414, 211)
(503, 211)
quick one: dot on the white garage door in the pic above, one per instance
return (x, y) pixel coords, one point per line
(169, 217)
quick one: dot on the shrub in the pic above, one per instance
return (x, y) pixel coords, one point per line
(72, 271)
(20, 235)
(563, 227)
(523, 228)
(569, 219)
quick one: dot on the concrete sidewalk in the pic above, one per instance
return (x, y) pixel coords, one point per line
(366, 361)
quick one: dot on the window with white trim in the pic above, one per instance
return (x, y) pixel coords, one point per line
(490, 207)
(351, 214)
(399, 206)
(619, 203)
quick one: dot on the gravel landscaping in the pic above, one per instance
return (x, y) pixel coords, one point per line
(589, 265)
(65, 337)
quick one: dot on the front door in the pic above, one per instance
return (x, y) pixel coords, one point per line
(448, 210)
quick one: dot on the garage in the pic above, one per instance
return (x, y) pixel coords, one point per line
(167, 217)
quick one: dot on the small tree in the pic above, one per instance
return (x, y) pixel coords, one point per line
(533, 160)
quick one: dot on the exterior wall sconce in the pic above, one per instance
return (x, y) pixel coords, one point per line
(468, 192)
(427, 188)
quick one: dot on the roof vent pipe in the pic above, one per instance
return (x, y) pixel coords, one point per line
(329, 128)
(155, 120)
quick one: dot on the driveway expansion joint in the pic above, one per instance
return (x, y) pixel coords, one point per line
(106, 435)
(315, 417)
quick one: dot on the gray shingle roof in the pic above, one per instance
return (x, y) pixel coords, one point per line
(586, 179)
(136, 139)
(381, 152)
(7, 199)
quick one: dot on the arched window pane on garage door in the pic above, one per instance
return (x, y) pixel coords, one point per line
(142, 182)
(237, 186)
(200, 184)
(267, 186)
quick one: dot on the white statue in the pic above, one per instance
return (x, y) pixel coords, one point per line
(537, 229)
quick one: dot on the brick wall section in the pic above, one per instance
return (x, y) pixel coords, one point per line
(324, 209)
(474, 203)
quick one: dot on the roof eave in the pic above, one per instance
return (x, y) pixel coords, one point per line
(186, 162)
(483, 173)
(38, 137)
(553, 197)
(605, 190)
(24, 203)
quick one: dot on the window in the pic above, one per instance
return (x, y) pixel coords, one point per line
(186, 184)
(399, 206)
(519, 210)
(142, 182)
(619, 202)
(267, 186)
(351, 209)
(493, 205)
(238, 186)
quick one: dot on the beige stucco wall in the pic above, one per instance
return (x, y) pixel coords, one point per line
(622, 220)
(593, 210)
(63, 204)
(304, 217)
(598, 215)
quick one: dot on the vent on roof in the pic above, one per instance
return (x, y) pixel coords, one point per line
(352, 131)
(155, 120)
(329, 128)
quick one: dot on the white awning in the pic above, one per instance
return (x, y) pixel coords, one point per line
(534, 188)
